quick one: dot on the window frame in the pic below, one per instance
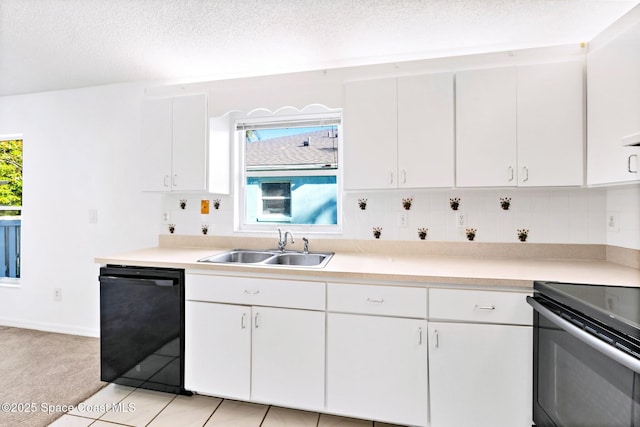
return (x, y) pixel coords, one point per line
(241, 175)
(6, 281)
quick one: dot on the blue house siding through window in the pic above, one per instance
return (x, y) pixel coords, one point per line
(313, 200)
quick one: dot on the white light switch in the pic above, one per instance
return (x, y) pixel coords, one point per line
(93, 216)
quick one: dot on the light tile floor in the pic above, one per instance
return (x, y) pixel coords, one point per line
(117, 405)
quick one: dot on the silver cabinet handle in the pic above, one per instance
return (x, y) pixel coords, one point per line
(166, 180)
(256, 320)
(419, 336)
(510, 172)
(390, 177)
(525, 170)
(436, 340)
(376, 300)
(243, 323)
(485, 307)
(635, 156)
(404, 176)
(252, 291)
(174, 180)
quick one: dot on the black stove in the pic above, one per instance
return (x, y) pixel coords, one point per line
(586, 355)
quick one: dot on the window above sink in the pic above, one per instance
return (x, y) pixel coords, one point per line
(289, 170)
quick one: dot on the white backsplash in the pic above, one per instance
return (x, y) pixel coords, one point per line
(551, 215)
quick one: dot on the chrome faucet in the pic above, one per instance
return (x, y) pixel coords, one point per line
(305, 249)
(282, 239)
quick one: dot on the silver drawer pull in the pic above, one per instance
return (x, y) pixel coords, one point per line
(251, 292)
(485, 307)
(376, 300)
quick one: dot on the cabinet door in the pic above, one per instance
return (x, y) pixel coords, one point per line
(218, 349)
(613, 108)
(370, 142)
(156, 129)
(425, 131)
(288, 357)
(486, 127)
(377, 368)
(189, 153)
(551, 124)
(480, 375)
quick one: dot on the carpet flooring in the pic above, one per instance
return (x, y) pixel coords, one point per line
(40, 372)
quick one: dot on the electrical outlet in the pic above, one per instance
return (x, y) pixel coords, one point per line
(461, 220)
(403, 221)
(613, 225)
(165, 217)
(57, 294)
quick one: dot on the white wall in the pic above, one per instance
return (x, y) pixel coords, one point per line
(81, 152)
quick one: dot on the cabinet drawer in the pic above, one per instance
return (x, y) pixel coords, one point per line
(253, 291)
(480, 306)
(384, 300)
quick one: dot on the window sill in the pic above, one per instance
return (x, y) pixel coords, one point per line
(7, 282)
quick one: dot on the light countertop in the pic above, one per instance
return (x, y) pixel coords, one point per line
(397, 266)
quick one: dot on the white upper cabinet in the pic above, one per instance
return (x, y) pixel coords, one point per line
(551, 124)
(486, 127)
(370, 128)
(520, 126)
(425, 131)
(399, 132)
(157, 125)
(174, 140)
(613, 99)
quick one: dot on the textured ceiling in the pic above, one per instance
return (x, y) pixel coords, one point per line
(61, 44)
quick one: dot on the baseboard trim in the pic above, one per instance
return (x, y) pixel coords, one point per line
(50, 327)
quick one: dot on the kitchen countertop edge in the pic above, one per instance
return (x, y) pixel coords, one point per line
(515, 274)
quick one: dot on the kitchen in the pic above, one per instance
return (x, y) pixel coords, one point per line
(94, 132)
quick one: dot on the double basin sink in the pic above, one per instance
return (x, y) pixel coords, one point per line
(270, 257)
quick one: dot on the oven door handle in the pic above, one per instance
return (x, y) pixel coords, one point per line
(599, 345)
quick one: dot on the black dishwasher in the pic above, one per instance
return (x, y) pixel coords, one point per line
(142, 327)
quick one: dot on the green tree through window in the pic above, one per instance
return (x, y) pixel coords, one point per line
(11, 173)
(10, 207)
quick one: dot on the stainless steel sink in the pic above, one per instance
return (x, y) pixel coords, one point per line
(302, 259)
(271, 257)
(240, 256)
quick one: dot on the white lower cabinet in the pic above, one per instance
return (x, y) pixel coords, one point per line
(363, 350)
(288, 357)
(376, 363)
(480, 374)
(257, 353)
(218, 349)
(377, 368)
